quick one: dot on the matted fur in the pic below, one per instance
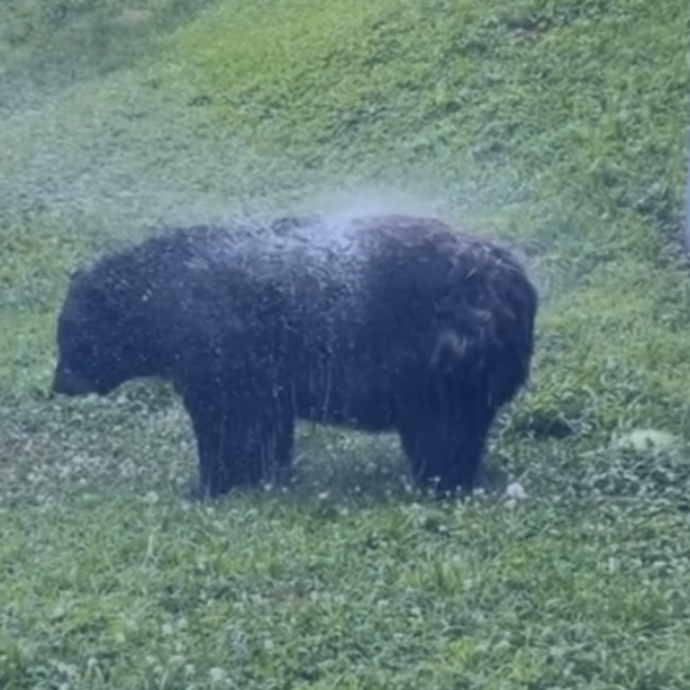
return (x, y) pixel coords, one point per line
(378, 323)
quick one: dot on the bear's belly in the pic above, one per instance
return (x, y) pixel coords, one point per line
(341, 398)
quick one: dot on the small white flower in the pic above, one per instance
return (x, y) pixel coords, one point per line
(516, 492)
(217, 674)
(151, 498)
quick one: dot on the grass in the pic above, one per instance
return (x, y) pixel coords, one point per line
(560, 126)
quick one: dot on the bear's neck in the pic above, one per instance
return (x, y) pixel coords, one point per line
(143, 341)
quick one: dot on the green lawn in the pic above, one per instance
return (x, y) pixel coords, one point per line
(558, 125)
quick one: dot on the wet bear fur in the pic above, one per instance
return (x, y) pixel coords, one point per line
(380, 324)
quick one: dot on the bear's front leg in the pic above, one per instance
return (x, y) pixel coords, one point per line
(212, 432)
(261, 439)
(242, 439)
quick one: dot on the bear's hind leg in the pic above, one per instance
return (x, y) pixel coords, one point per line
(463, 462)
(448, 450)
(423, 442)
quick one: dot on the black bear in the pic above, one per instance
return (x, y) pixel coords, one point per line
(388, 323)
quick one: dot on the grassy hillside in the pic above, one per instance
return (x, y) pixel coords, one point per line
(558, 125)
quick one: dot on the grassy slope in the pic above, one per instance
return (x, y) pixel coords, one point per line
(560, 124)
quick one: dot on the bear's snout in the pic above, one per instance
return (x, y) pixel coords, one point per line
(66, 382)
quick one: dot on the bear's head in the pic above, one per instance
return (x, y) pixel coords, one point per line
(92, 341)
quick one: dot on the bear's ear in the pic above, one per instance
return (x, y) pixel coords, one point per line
(450, 349)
